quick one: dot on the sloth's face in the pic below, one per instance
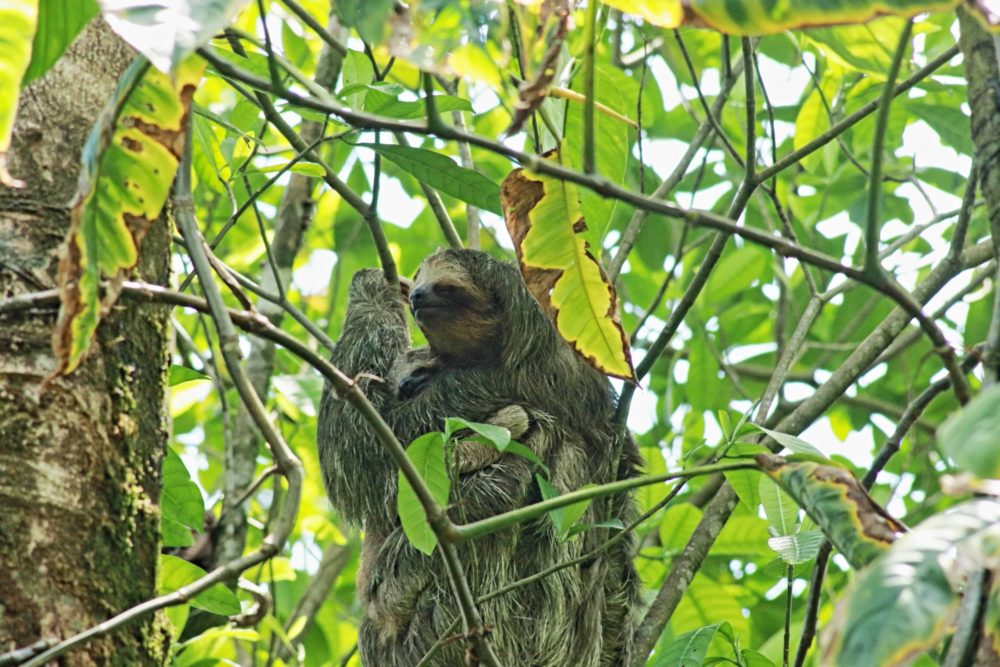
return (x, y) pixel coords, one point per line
(459, 319)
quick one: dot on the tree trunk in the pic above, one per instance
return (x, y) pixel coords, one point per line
(79, 455)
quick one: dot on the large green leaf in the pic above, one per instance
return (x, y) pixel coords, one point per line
(867, 48)
(834, 499)
(59, 22)
(688, 649)
(166, 31)
(17, 22)
(902, 605)
(545, 221)
(174, 573)
(427, 454)
(617, 92)
(781, 511)
(180, 499)
(125, 181)
(705, 602)
(443, 174)
(972, 437)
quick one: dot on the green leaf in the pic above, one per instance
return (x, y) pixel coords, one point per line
(616, 91)
(177, 615)
(866, 48)
(901, 605)
(167, 32)
(704, 389)
(181, 374)
(528, 454)
(17, 22)
(174, 533)
(688, 649)
(443, 174)
(497, 436)
(382, 99)
(563, 518)
(949, 122)
(706, 602)
(797, 548)
(781, 511)
(736, 272)
(180, 499)
(427, 455)
(742, 535)
(369, 17)
(746, 484)
(791, 442)
(812, 121)
(972, 437)
(677, 525)
(175, 573)
(59, 22)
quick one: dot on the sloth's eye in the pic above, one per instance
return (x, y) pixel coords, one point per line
(445, 289)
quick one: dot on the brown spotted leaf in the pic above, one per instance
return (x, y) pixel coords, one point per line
(544, 220)
(904, 603)
(129, 163)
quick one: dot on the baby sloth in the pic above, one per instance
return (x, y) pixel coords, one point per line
(415, 369)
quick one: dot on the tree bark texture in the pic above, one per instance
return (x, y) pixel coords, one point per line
(80, 454)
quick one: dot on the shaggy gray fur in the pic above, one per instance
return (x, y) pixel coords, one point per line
(580, 616)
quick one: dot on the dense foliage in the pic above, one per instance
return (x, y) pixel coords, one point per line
(769, 215)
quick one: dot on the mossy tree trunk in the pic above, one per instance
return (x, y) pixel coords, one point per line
(79, 455)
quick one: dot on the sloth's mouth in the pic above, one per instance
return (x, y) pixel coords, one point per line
(429, 309)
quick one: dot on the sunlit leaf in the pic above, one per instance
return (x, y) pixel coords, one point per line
(175, 573)
(688, 649)
(17, 20)
(59, 22)
(180, 374)
(544, 219)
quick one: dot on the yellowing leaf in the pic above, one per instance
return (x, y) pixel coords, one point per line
(664, 13)
(17, 24)
(544, 220)
(126, 178)
(766, 17)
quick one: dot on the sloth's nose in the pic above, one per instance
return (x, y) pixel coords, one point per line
(420, 296)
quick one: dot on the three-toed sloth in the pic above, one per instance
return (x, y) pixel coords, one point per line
(492, 356)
